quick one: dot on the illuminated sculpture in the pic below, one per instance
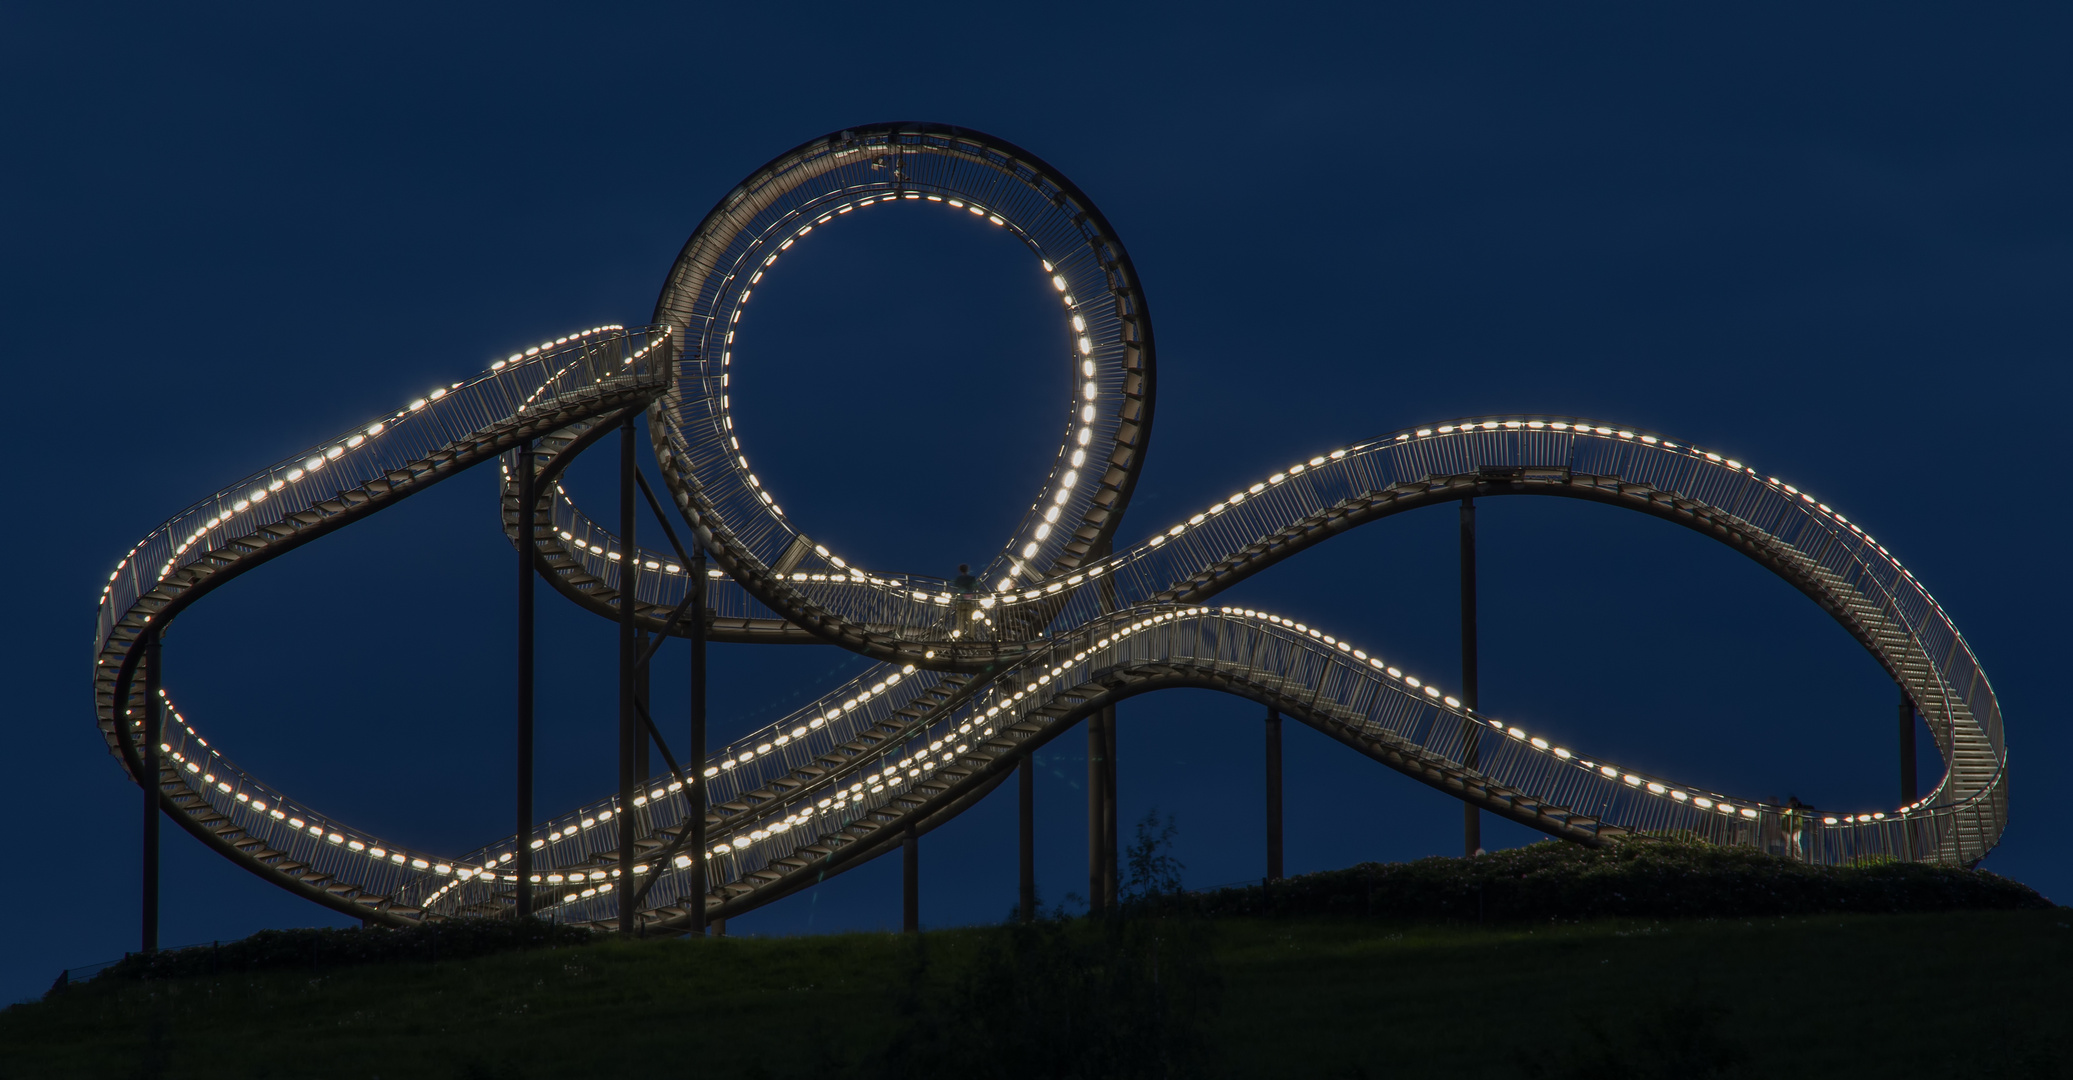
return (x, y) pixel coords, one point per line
(967, 686)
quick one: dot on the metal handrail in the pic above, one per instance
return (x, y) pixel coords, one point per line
(1067, 626)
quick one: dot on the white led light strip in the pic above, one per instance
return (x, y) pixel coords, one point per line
(1090, 401)
(901, 743)
(1142, 573)
(868, 782)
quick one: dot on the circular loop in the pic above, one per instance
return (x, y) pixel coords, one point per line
(1106, 340)
(1083, 629)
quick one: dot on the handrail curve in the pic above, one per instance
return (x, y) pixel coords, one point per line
(333, 484)
(1064, 623)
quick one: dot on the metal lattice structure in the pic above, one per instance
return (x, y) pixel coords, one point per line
(970, 683)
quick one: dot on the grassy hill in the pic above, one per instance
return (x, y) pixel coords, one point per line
(1169, 991)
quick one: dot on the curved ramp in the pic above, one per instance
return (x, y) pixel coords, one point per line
(1062, 624)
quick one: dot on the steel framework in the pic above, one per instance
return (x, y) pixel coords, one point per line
(969, 684)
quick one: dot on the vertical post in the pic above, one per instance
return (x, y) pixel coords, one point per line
(149, 781)
(1026, 835)
(1101, 784)
(629, 565)
(696, 756)
(642, 769)
(1108, 808)
(1908, 788)
(1097, 861)
(1273, 795)
(910, 882)
(1471, 818)
(528, 501)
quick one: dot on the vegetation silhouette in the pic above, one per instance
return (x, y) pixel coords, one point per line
(1134, 994)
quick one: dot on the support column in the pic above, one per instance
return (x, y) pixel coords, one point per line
(1273, 795)
(1026, 835)
(154, 727)
(1471, 818)
(910, 882)
(642, 743)
(528, 500)
(1097, 811)
(695, 797)
(1101, 783)
(629, 566)
(1108, 808)
(1908, 788)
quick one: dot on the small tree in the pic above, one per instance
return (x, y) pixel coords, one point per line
(1154, 871)
(1069, 999)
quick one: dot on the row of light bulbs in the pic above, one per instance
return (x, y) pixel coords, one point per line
(760, 744)
(1454, 704)
(766, 742)
(1575, 426)
(1639, 781)
(942, 596)
(274, 480)
(266, 806)
(1089, 390)
(911, 769)
(890, 774)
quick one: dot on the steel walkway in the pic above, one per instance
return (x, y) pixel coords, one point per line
(967, 684)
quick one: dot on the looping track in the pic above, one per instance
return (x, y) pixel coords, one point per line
(967, 684)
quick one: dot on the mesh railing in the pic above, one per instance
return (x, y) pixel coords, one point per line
(898, 742)
(1104, 332)
(1794, 532)
(1337, 687)
(431, 436)
(590, 365)
(1114, 621)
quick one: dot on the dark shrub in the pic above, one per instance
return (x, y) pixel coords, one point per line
(452, 939)
(1642, 877)
(1061, 999)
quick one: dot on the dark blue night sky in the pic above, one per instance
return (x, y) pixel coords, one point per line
(1837, 245)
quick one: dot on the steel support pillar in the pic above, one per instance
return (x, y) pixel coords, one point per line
(629, 565)
(154, 726)
(1026, 835)
(1471, 818)
(1108, 793)
(695, 757)
(1101, 784)
(642, 744)
(1908, 788)
(1101, 811)
(1273, 795)
(1097, 747)
(910, 882)
(528, 500)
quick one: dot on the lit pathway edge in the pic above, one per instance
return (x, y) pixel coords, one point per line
(970, 682)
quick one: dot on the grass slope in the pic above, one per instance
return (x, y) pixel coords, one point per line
(1642, 877)
(1298, 980)
(1972, 994)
